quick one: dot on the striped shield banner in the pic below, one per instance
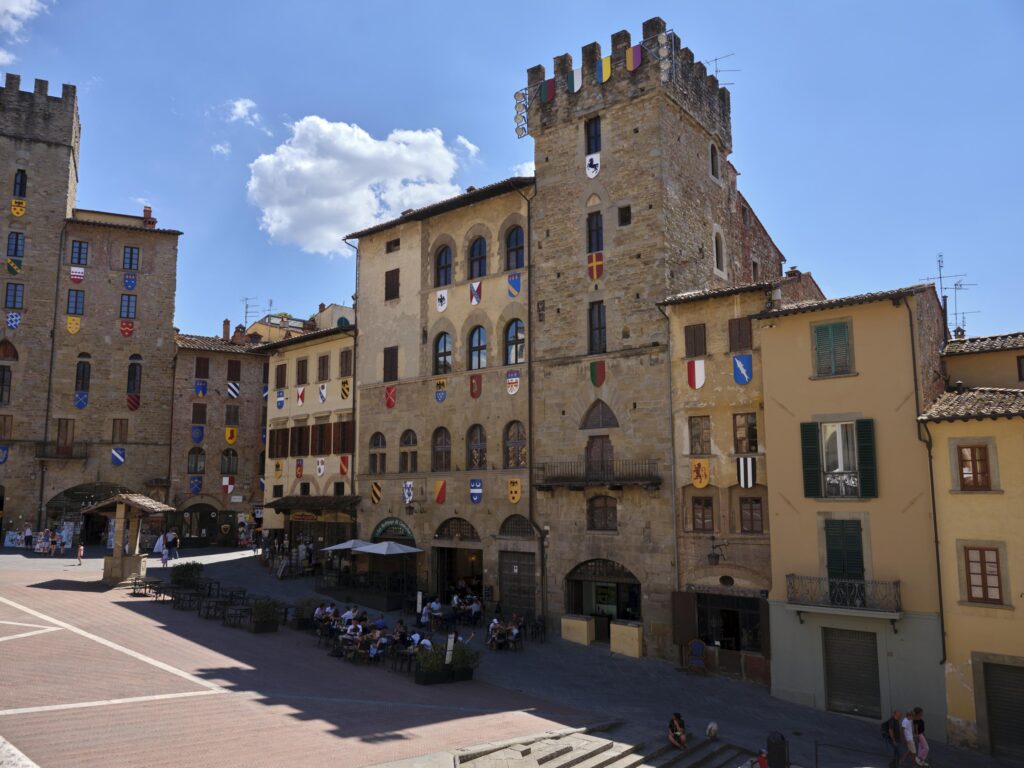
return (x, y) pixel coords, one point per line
(232, 389)
(574, 81)
(746, 471)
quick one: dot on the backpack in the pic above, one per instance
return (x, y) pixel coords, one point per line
(885, 729)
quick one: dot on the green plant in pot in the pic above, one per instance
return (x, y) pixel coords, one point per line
(304, 610)
(186, 574)
(431, 669)
(266, 614)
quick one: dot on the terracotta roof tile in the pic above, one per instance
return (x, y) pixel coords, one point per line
(984, 344)
(714, 293)
(976, 403)
(819, 305)
(214, 344)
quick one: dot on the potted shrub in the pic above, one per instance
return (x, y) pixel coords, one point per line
(303, 613)
(266, 614)
(431, 669)
(464, 661)
(186, 574)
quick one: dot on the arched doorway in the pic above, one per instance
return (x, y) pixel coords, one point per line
(64, 511)
(457, 558)
(393, 529)
(517, 566)
(200, 525)
(603, 589)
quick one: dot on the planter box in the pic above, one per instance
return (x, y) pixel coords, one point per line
(627, 638)
(436, 677)
(264, 626)
(578, 629)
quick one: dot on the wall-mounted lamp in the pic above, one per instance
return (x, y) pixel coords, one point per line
(717, 552)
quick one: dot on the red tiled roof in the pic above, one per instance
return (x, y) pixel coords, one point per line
(977, 403)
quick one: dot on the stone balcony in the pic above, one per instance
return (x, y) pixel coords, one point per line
(614, 473)
(54, 451)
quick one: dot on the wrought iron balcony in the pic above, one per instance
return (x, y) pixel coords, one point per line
(612, 472)
(842, 484)
(53, 450)
(845, 594)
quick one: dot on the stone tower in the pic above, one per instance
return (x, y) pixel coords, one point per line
(635, 201)
(87, 342)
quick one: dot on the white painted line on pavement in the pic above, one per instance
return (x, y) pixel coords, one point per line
(29, 634)
(23, 624)
(12, 757)
(110, 644)
(103, 703)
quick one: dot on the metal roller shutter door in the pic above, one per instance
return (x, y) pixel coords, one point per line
(851, 672)
(1004, 699)
(517, 583)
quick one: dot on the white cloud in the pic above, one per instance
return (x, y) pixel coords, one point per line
(524, 169)
(224, 148)
(471, 149)
(15, 14)
(244, 110)
(6, 57)
(329, 179)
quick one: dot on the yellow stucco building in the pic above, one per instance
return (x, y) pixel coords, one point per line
(977, 437)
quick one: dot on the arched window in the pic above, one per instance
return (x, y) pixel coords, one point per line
(599, 416)
(5, 385)
(442, 354)
(515, 343)
(714, 161)
(477, 348)
(408, 457)
(443, 266)
(229, 462)
(7, 350)
(517, 527)
(135, 375)
(20, 183)
(515, 252)
(83, 372)
(15, 245)
(595, 232)
(441, 451)
(457, 528)
(196, 461)
(378, 454)
(393, 529)
(515, 445)
(602, 514)
(477, 258)
(719, 252)
(476, 448)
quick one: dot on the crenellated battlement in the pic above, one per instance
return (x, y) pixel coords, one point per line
(35, 115)
(658, 61)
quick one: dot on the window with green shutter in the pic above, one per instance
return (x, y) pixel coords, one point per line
(844, 549)
(866, 466)
(833, 351)
(810, 450)
(839, 459)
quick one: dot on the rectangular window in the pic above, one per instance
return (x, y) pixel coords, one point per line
(844, 557)
(301, 372)
(234, 370)
(740, 334)
(339, 488)
(6, 427)
(198, 413)
(744, 427)
(83, 372)
(4, 385)
(833, 352)
(281, 376)
(1020, 368)
(391, 284)
(65, 435)
(625, 216)
(700, 435)
(119, 431)
(595, 232)
(130, 261)
(14, 298)
(202, 368)
(593, 133)
(695, 339)
(598, 337)
(76, 302)
(303, 489)
(974, 468)
(755, 270)
(128, 306)
(983, 583)
(345, 363)
(392, 245)
(15, 245)
(321, 438)
(79, 253)
(278, 491)
(277, 443)
(323, 368)
(231, 415)
(751, 517)
(343, 439)
(299, 441)
(703, 513)
(391, 364)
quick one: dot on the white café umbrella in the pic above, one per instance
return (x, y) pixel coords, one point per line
(386, 548)
(350, 544)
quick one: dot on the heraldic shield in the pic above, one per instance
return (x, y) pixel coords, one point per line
(17, 207)
(515, 490)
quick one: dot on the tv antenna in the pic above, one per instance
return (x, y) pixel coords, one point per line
(942, 277)
(719, 70)
(251, 311)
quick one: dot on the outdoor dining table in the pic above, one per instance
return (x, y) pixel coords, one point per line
(186, 600)
(213, 607)
(236, 615)
(233, 594)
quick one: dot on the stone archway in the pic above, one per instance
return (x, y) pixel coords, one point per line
(65, 508)
(603, 589)
(456, 558)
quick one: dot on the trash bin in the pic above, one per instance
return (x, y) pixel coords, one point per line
(778, 750)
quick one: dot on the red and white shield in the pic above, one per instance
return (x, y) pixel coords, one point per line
(343, 464)
(77, 275)
(695, 373)
(127, 328)
(476, 385)
(389, 396)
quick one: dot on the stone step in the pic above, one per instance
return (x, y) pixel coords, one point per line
(716, 756)
(587, 748)
(609, 758)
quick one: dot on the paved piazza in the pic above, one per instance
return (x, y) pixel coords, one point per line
(95, 677)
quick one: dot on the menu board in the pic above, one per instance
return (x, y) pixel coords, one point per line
(14, 539)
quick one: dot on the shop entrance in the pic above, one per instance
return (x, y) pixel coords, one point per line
(605, 590)
(457, 559)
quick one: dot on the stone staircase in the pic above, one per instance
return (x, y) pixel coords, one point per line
(595, 748)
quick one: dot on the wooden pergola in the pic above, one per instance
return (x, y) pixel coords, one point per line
(127, 509)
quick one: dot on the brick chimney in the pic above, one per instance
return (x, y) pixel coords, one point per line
(792, 272)
(322, 306)
(227, 330)
(238, 337)
(147, 218)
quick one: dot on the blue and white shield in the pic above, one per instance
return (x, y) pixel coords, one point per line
(117, 456)
(742, 368)
(201, 387)
(233, 389)
(5, 451)
(81, 399)
(13, 320)
(197, 434)
(280, 399)
(195, 484)
(407, 492)
(514, 284)
(130, 281)
(476, 491)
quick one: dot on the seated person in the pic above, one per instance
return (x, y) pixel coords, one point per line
(677, 731)
(456, 602)
(435, 605)
(348, 614)
(424, 644)
(497, 635)
(318, 614)
(425, 616)
(380, 623)
(401, 634)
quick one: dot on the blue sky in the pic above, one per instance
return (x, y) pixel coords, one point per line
(870, 136)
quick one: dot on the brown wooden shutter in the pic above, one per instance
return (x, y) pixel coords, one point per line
(281, 376)
(694, 336)
(336, 437)
(202, 367)
(349, 436)
(234, 370)
(391, 284)
(739, 334)
(345, 363)
(684, 618)
(390, 363)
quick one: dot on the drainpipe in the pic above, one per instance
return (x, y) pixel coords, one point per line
(671, 408)
(49, 383)
(355, 370)
(931, 479)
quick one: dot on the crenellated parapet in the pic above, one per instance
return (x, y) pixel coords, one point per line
(38, 116)
(630, 70)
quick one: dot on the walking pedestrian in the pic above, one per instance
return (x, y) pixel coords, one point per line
(891, 736)
(907, 735)
(171, 542)
(81, 552)
(922, 742)
(28, 536)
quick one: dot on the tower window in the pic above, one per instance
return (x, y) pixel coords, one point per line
(715, 171)
(514, 252)
(15, 296)
(597, 329)
(477, 348)
(595, 232)
(593, 129)
(719, 253)
(478, 258)
(76, 302)
(131, 258)
(391, 284)
(20, 183)
(128, 306)
(625, 216)
(15, 245)
(392, 245)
